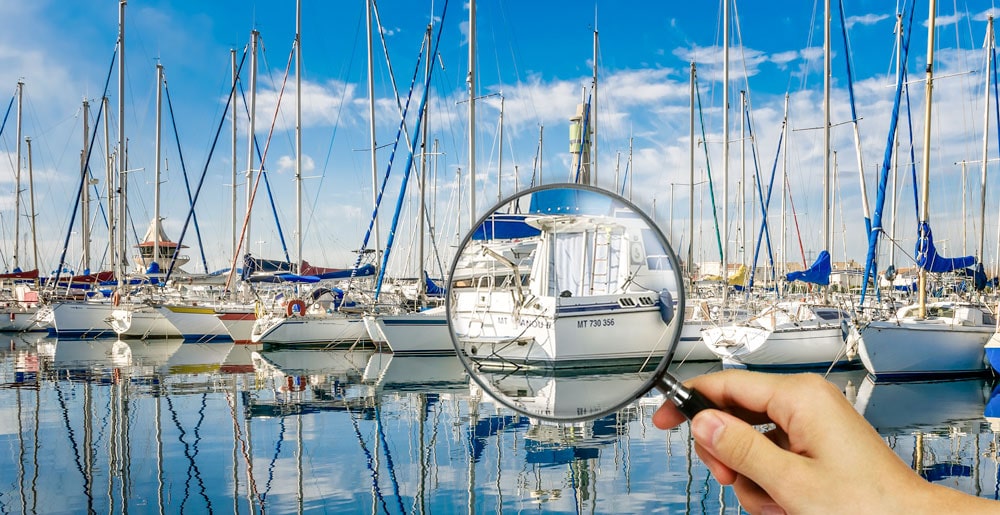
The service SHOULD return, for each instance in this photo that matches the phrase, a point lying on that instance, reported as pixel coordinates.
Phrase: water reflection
(938, 427)
(163, 426)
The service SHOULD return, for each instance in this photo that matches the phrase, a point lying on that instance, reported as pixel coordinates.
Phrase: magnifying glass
(565, 303)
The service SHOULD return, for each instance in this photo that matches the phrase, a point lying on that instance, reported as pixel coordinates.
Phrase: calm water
(165, 427)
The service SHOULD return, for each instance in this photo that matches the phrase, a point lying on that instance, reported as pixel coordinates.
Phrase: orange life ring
(290, 308)
(116, 298)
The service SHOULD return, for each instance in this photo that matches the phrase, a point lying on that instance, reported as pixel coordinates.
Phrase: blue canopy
(284, 278)
(505, 226)
(818, 273)
(928, 258)
(362, 271)
(433, 290)
(569, 201)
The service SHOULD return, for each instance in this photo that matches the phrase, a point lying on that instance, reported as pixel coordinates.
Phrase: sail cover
(928, 258)
(818, 273)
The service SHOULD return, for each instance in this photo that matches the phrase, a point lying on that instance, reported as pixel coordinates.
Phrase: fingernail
(772, 509)
(706, 426)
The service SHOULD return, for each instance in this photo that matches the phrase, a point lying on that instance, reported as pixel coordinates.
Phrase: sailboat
(596, 289)
(88, 319)
(794, 333)
(139, 316)
(940, 338)
(19, 309)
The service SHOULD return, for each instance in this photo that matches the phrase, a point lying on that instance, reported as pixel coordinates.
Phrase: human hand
(821, 456)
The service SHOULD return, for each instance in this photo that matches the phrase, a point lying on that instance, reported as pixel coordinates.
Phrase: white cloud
(865, 19)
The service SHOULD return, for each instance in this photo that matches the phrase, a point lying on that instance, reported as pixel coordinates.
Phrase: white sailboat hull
(412, 334)
(923, 347)
(310, 330)
(142, 322)
(239, 324)
(20, 319)
(802, 347)
(562, 331)
(82, 319)
(691, 346)
(195, 323)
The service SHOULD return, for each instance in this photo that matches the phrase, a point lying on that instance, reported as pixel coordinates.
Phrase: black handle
(687, 400)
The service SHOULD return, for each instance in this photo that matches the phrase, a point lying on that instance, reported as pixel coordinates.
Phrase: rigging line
(336, 126)
(409, 159)
(187, 451)
(392, 157)
(902, 93)
(388, 457)
(187, 184)
(197, 438)
(369, 460)
(274, 459)
(583, 140)
(263, 170)
(244, 448)
(795, 219)
(87, 485)
(765, 204)
(253, 193)
(204, 172)
(854, 116)
(80, 189)
(10, 105)
(708, 168)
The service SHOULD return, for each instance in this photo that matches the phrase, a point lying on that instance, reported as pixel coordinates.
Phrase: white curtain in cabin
(585, 263)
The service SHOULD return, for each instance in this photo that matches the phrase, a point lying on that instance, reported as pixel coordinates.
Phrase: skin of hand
(820, 457)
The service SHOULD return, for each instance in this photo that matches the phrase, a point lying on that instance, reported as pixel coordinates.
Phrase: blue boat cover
(928, 258)
(818, 273)
(433, 290)
(362, 271)
(504, 226)
(568, 200)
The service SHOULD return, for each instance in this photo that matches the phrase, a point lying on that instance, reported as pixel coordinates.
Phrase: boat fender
(290, 308)
(116, 298)
(666, 306)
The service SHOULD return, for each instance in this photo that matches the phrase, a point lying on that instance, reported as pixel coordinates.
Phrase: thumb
(739, 448)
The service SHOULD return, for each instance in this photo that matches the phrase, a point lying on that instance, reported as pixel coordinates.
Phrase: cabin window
(656, 255)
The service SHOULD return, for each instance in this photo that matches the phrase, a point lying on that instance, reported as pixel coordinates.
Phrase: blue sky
(539, 56)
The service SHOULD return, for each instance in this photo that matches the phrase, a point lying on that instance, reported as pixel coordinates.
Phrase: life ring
(290, 308)
(116, 298)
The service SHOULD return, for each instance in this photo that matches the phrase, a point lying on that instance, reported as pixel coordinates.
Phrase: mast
(156, 167)
(784, 188)
(593, 107)
(85, 193)
(109, 182)
(371, 129)
(986, 132)
(826, 127)
(31, 206)
(254, 36)
(471, 81)
(235, 237)
(17, 179)
(691, 150)
(298, 136)
(725, 149)
(895, 144)
(827, 67)
(120, 260)
(926, 158)
(743, 178)
(422, 208)
(500, 156)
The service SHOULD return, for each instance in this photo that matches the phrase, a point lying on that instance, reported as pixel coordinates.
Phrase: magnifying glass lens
(566, 303)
